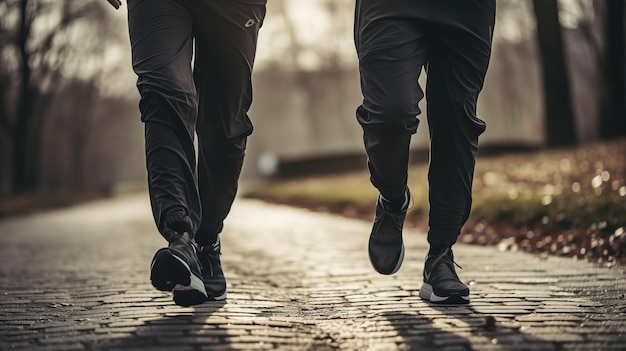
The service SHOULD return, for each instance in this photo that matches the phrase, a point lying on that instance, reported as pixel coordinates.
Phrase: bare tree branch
(586, 29)
(68, 18)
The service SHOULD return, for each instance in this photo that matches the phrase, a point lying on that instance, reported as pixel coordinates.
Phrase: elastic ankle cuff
(396, 204)
(436, 250)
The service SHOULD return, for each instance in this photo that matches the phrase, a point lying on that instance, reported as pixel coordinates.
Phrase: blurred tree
(604, 29)
(560, 124)
(42, 43)
(310, 36)
(613, 101)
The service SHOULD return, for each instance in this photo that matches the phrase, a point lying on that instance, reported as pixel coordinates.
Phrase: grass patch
(568, 202)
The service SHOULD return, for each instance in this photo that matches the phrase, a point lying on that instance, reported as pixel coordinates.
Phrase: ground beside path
(77, 279)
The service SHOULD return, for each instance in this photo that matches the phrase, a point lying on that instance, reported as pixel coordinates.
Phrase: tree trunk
(21, 178)
(21, 182)
(613, 110)
(560, 124)
(30, 108)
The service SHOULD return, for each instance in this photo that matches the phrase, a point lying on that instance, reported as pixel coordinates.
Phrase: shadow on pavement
(453, 327)
(188, 329)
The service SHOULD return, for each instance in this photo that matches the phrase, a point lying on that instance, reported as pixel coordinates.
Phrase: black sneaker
(176, 268)
(386, 248)
(212, 274)
(441, 284)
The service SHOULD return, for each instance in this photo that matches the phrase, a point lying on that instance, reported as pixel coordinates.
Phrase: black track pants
(177, 101)
(452, 39)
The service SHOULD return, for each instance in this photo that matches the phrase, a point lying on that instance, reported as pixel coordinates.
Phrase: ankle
(436, 250)
(396, 204)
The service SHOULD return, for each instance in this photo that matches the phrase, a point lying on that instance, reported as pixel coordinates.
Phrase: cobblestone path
(77, 279)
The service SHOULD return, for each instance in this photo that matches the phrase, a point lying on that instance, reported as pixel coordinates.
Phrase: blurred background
(69, 121)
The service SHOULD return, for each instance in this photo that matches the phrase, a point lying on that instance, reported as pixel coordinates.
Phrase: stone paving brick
(68, 284)
(60, 347)
(154, 348)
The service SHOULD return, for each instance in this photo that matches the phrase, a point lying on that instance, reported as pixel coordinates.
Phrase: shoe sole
(171, 273)
(214, 294)
(427, 293)
(395, 269)
(217, 298)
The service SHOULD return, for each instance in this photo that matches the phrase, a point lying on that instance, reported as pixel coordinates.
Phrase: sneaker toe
(386, 258)
(450, 287)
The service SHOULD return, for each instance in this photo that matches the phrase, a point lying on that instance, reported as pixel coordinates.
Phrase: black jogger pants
(177, 101)
(452, 40)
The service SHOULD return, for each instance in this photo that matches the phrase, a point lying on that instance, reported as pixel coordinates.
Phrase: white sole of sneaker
(427, 293)
(196, 283)
(400, 260)
(218, 298)
(171, 273)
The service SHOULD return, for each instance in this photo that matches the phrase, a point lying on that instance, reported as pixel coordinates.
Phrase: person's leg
(161, 42)
(391, 50)
(226, 37)
(456, 71)
(458, 60)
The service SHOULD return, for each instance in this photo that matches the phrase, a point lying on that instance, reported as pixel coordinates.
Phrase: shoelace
(445, 253)
(452, 258)
(411, 202)
(211, 256)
